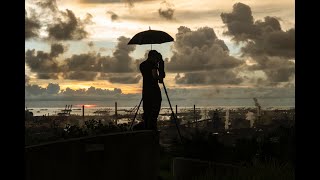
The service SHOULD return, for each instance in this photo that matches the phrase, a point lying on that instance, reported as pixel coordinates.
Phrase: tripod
(172, 113)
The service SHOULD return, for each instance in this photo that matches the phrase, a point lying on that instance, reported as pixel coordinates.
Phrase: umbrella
(150, 37)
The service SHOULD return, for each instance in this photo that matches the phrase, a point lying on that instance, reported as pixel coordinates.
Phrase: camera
(162, 74)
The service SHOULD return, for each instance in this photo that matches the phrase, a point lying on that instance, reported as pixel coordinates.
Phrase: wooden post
(176, 110)
(116, 112)
(82, 111)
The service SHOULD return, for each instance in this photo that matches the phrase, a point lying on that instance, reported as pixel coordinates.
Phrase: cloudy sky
(79, 47)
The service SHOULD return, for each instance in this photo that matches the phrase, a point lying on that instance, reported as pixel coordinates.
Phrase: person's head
(153, 56)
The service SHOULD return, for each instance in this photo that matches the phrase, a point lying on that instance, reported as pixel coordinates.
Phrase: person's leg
(156, 106)
(147, 109)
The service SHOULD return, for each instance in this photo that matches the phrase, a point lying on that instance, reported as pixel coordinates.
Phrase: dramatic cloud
(85, 66)
(263, 37)
(92, 91)
(277, 43)
(129, 2)
(60, 25)
(277, 69)
(98, 91)
(240, 22)
(81, 75)
(32, 25)
(200, 55)
(41, 62)
(265, 42)
(123, 62)
(215, 77)
(53, 88)
(57, 49)
(34, 90)
(122, 78)
(48, 4)
(113, 15)
(83, 62)
(47, 75)
(70, 28)
(45, 64)
(167, 13)
(120, 62)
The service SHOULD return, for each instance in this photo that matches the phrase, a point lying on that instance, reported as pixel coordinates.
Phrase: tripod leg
(174, 116)
(135, 114)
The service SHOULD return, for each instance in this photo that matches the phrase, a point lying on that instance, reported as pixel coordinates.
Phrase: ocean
(40, 108)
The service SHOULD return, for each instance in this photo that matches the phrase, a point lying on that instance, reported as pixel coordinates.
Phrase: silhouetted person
(152, 71)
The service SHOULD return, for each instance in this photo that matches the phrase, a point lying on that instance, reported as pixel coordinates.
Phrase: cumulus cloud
(240, 22)
(60, 25)
(45, 64)
(68, 27)
(84, 66)
(92, 91)
(127, 78)
(98, 91)
(113, 15)
(203, 58)
(57, 49)
(277, 43)
(34, 90)
(47, 75)
(80, 75)
(213, 77)
(32, 25)
(166, 13)
(129, 2)
(83, 62)
(53, 88)
(120, 62)
(277, 69)
(265, 42)
(48, 4)
(41, 62)
(263, 37)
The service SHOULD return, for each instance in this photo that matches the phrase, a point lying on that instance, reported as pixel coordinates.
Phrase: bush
(269, 170)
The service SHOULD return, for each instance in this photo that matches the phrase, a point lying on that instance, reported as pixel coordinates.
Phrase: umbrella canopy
(151, 37)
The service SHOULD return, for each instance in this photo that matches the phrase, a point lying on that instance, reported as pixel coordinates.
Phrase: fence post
(83, 112)
(116, 112)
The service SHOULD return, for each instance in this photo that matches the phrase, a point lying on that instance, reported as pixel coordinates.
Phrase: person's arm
(162, 74)
(155, 74)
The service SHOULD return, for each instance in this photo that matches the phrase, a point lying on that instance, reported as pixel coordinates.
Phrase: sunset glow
(81, 45)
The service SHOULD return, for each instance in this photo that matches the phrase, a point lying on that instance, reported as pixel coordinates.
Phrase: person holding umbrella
(153, 73)
(152, 70)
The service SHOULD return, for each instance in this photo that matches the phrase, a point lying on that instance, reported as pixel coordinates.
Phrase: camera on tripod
(162, 74)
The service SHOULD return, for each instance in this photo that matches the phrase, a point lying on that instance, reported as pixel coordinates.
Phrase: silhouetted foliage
(40, 134)
(271, 169)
